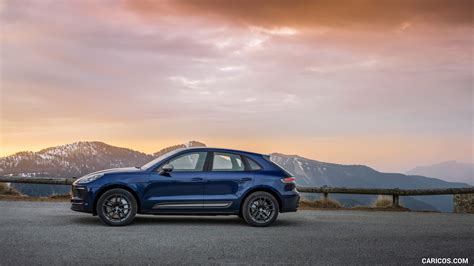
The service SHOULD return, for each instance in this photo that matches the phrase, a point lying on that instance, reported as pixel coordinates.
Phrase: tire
(260, 209)
(117, 207)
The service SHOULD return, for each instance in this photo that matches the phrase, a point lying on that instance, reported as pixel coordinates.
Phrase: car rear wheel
(260, 209)
(117, 207)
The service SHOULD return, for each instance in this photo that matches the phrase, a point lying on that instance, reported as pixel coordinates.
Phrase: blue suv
(197, 181)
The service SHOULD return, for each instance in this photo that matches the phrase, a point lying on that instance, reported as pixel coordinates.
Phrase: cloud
(198, 85)
(169, 69)
(231, 68)
(300, 13)
(250, 100)
(278, 31)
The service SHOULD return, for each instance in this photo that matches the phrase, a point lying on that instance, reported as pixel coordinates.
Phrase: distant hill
(77, 159)
(450, 171)
(71, 160)
(80, 158)
(174, 147)
(315, 173)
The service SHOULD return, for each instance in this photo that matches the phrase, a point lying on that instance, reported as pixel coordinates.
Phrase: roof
(221, 150)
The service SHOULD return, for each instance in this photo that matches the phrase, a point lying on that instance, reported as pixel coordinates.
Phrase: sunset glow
(383, 83)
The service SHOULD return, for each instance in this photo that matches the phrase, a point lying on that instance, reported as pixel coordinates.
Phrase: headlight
(88, 178)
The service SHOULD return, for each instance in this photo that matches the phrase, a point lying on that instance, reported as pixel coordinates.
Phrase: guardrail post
(395, 201)
(325, 196)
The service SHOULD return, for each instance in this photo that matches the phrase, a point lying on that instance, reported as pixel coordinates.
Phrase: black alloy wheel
(260, 209)
(117, 207)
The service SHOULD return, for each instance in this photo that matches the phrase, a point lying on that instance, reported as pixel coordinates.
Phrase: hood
(116, 170)
(96, 175)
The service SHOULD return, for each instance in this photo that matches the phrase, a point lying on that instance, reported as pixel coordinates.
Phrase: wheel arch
(112, 186)
(270, 190)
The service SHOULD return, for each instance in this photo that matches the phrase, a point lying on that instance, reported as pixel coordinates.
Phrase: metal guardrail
(394, 192)
(387, 191)
(37, 180)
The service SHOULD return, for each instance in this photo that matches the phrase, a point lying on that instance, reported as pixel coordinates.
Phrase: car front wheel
(260, 209)
(117, 207)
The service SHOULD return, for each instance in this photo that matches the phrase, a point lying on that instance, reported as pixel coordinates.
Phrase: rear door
(227, 179)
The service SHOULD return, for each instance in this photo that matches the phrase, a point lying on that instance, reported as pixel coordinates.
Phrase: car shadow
(181, 220)
(188, 220)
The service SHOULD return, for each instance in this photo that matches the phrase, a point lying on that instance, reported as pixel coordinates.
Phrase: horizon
(388, 85)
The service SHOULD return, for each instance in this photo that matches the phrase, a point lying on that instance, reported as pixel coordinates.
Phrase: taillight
(288, 180)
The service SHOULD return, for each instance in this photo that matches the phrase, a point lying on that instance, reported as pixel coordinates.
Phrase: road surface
(49, 233)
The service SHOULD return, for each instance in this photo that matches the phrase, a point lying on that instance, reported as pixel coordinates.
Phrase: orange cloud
(300, 13)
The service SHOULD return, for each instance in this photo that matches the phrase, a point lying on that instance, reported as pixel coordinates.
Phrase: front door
(182, 188)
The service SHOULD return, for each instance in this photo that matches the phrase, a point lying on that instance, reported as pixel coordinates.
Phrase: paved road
(49, 233)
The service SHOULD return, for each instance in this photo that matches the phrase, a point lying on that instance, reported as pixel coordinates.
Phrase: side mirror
(166, 169)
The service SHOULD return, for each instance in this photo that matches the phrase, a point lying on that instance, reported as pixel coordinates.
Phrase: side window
(254, 166)
(189, 162)
(227, 162)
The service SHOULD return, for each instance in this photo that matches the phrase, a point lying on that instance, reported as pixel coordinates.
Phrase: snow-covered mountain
(192, 143)
(451, 171)
(71, 160)
(314, 173)
(77, 159)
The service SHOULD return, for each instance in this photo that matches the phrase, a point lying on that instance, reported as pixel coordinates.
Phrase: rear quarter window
(268, 158)
(254, 166)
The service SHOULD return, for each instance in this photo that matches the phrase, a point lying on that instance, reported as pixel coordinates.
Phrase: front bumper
(81, 199)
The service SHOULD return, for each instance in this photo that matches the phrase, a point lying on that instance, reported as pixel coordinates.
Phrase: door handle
(245, 179)
(197, 179)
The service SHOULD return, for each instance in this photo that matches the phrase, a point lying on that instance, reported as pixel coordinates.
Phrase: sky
(387, 84)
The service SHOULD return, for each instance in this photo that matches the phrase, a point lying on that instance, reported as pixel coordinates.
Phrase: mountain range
(314, 173)
(80, 158)
(77, 159)
(450, 171)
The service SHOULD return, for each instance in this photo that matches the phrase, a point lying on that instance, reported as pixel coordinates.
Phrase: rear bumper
(290, 203)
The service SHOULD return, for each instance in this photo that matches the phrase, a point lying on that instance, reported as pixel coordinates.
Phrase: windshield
(161, 158)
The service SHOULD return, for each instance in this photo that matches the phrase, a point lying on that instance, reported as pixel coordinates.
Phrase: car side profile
(191, 181)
